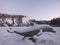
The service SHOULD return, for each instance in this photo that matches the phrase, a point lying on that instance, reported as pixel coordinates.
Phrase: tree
(55, 22)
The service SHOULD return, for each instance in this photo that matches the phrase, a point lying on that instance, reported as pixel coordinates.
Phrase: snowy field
(47, 38)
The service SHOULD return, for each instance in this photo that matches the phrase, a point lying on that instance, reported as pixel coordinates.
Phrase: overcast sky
(35, 9)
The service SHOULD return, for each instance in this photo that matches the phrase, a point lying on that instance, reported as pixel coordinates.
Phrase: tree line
(55, 22)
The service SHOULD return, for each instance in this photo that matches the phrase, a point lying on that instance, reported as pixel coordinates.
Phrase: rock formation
(13, 20)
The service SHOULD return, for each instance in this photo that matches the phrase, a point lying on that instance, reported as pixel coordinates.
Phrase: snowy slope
(46, 38)
(30, 28)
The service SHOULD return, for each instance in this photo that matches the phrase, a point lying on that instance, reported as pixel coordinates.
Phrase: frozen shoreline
(15, 39)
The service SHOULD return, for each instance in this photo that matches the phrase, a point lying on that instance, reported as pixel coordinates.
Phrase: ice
(46, 38)
(30, 28)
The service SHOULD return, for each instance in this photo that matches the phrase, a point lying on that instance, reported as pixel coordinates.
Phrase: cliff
(2, 15)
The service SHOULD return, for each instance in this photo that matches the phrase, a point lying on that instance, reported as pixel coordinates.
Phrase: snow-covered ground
(47, 38)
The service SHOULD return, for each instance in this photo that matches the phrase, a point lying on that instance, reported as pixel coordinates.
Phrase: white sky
(35, 9)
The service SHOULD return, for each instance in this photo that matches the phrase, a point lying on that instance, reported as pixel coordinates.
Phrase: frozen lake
(47, 38)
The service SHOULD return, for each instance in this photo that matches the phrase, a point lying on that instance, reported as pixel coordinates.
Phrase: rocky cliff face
(12, 16)
(13, 20)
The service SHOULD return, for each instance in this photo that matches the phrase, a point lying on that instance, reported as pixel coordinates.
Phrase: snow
(25, 20)
(47, 38)
(30, 28)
